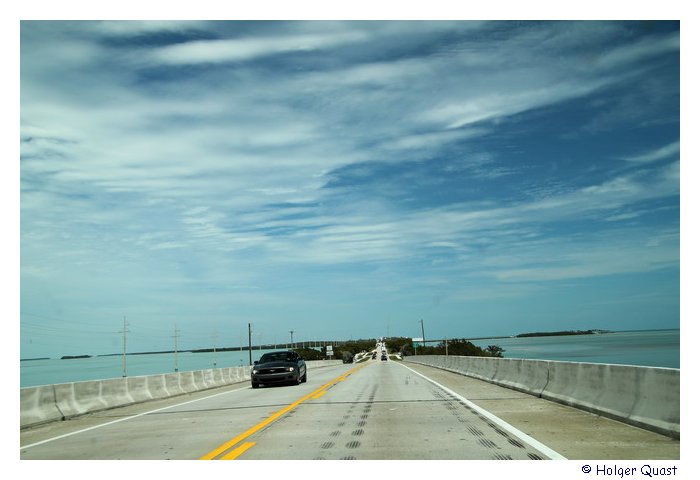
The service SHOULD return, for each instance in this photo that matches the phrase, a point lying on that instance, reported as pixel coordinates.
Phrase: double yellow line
(238, 451)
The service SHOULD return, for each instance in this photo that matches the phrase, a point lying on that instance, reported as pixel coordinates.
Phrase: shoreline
(245, 348)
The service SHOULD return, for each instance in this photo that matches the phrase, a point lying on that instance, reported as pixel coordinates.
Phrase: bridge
(422, 407)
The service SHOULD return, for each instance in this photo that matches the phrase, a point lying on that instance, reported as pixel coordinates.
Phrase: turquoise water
(652, 348)
(42, 372)
(655, 348)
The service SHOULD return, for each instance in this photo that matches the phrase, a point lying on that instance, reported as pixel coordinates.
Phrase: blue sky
(345, 180)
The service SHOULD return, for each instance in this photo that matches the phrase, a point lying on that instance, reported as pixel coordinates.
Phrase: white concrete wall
(48, 403)
(647, 397)
(38, 405)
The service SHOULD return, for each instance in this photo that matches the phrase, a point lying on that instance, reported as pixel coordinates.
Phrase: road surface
(375, 410)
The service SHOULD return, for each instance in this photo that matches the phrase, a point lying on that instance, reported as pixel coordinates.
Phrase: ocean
(655, 348)
(651, 348)
(54, 370)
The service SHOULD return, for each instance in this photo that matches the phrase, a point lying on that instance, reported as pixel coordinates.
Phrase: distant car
(278, 367)
(384, 356)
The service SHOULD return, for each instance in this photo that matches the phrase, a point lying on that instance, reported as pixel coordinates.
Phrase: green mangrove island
(561, 333)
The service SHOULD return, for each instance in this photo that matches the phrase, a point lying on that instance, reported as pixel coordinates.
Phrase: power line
(60, 328)
(62, 320)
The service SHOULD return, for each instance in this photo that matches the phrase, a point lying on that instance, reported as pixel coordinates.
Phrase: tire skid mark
(338, 434)
(351, 414)
(452, 405)
(285, 413)
(487, 443)
(500, 456)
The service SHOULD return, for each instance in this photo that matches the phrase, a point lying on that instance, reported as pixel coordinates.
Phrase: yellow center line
(238, 451)
(222, 448)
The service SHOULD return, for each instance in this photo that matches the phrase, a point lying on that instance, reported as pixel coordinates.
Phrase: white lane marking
(125, 419)
(501, 423)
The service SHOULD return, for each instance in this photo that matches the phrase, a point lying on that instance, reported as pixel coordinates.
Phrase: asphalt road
(374, 410)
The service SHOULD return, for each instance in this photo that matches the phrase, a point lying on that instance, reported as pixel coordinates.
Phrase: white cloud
(639, 51)
(214, 179)
(488, 104)
(667, 151)
(234, 50)
(613, 256)
(170, 245)
(133, 27)
(431, 140)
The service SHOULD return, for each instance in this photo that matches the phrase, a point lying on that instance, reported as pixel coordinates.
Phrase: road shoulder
(574, 433)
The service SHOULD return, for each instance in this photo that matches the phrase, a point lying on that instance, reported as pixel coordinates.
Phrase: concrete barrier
(47, 403)
(311, 364)
(198, 380)
(529, 376)
(38, 405)
(172, 384)
(138, 389)
(647, 397)
(77, 398)
(187, 382)
(115, 391)
(643, 396)
(155, 384)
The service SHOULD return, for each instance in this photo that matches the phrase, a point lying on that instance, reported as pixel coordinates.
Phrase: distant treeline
(141, 353)
(401, 345)
(564, 332)
(296, 346)
(200, 350)
(406, 347)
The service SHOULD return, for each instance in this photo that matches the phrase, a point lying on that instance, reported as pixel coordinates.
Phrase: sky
(344, 180)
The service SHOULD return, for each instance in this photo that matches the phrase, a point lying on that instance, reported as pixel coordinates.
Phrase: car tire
(255, 385)
(303, 379)
(298, 380)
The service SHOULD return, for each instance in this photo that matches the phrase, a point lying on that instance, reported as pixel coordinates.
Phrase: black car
(384, 356)
(278, 367)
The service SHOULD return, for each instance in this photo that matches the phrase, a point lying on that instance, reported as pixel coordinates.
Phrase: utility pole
(214, 338)
(250, 348)
(123, 332)
(422, 331)
(177, 334)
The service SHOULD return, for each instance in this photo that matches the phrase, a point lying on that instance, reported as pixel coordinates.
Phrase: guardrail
(647, 397)
(48, 403)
